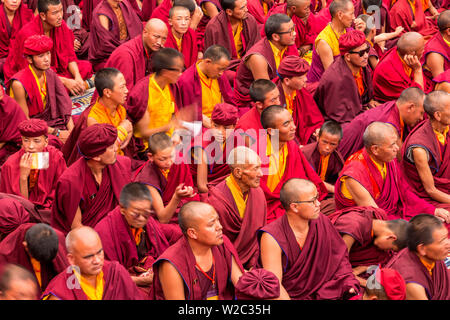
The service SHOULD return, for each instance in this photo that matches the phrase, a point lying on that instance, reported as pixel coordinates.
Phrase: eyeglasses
(362, 52)
(292, 30)
(316, 198)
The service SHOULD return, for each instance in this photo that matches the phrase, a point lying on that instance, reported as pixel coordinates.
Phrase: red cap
(225, 114)
(37, 44)
(33, 128)
(351, 40)
(292, 66)
(392, 282)
(95, 139)
(257, 284)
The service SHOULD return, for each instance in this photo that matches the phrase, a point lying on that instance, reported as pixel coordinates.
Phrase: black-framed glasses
(316, 198)
(292, 30)
(361, 52)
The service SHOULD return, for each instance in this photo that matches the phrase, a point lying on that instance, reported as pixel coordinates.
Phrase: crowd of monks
(232, 149)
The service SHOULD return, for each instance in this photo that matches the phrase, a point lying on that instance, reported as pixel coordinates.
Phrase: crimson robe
(438, 45)
(384, 16)
(162, 11)
(255, 8)
(77, 188)
(35, 215)
(250, 123)
(12, 215)
(102, 42)
(189, 47)
(148, 6)
(408, 264)
(181, 257)
(87, 10)
(117, 285)
(13, 251)
(305, 276)
(337, 94)
(401, 14)
(241, 231)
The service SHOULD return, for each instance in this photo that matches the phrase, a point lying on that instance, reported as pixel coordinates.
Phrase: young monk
(17, 283)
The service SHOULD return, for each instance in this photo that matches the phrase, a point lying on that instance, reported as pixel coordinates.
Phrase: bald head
(81, 236)
(411, 43)
(17, 283)
(338, 5)
(155, 24)
(376, 133)
(411, 95)
(192, 213)
(443, 21)
(241, 157)
(295, 190)
(295, 3)
(436, 101)
(154, 34)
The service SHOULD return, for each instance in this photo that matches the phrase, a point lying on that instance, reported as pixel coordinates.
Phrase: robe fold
(12, 215)
(204, 21)
(87, 10)
(255, 8)
(162, 11)
(250, 124)
(437, 45)
(401, 14)
(189, 47)
(35, 215)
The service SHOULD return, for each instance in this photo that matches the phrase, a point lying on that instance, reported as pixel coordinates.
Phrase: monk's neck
(161, 81)
(110, 106)
(375, 160)
(176, 34)
(244, 187)
(354, 69)
(437, 126)
(337, 26)
(277, 45)
(113, 4)
(202, 66)
(287, 90)
(201, 252)
(47, 28)
(234, 22)
(38, 72)
(378, 227)
(297, 224)
(96, 169)
(9, 14)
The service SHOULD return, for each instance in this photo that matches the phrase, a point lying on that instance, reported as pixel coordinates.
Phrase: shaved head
(376, 133)
(155, 24)
(294, 189)
(443, 21)
(410, 43)
(82, 235)
(192, 213)
(436, 101)
(154, 35)
(296, 3)
(242, 156)
(411, 95)
(17, 283)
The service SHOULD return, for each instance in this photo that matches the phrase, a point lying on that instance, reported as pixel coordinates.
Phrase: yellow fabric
(277, 54)
(137, 234)
(406, 68)
(238, 196)
(165, 172)
(425, 5)
(290, 101)
(441, 136)
(238, 39)
(92, 293)
(427, 265)
(308, 57)
(447, 42)
(265, 8)
(359, 82)
(277, 165)
(179, 42)
(211, 94)
(43, 90)
(37, 269)
(413, 6)
(323, 166)
(330, 37)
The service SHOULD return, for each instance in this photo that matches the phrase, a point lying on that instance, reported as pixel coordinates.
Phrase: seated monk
(162, 11)
(181, 37)
(284, 160)
(291, 247)
(300, 103)
(422, 263)
(131, 236)
(260, 9)
(26, 173)
(411, 16)
(203, 85)
(403, 114)
(345, 89)
(12, 215)
(263, 59)
(17, 283)
(372, 177)
(426, 152)
(90, 187)
(323, 155)
(400, 68)
(387, 284)
(71, 71)
(38, 248)
(92, 278)
(203, 256)
(40, 92)
(370, 238)
(210, 9)
(241, 204)
(113, 23)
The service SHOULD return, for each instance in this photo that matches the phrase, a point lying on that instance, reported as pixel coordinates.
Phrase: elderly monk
(90, 187)
(403, 114)
(37, 247)
(411, 16)
(131, 236)
(89, 275)
(345, 89)
(426, 152)
(400, 68)
(240, 203)
(263, 59)
(40, 92)
(203, 256)
(323, 155)
(293, 94)
(372, 177)
(203, 85)
(422, 263)
(113, 23)
(17, 283)
(12, 215)
(71, 71)
(27, 173)
(284, 159)
(291, 247)
(385, 284)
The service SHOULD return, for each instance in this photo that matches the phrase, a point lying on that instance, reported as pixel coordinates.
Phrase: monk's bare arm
(210, 8)
(435, 62)
(257, 64)
(164, 214)
(359, 194)
(145, 131)
(415, 291)
(76, 223)
(104, 21)
(202, 171)
(330, 187)
(325, 53)
(421, 163)
(70, 124)
(349, 241)
(236, 272)
(20, 96)
(271, 260)
(171, 282)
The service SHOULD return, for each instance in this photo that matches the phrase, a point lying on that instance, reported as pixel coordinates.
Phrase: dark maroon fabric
(12, 215)
(35, 215)
(162, 11)
(255, 8)
(181, 257)
(204, 21)
(384, 15)
(257, 284)
(117, 285)
(437, 45)
(305, 277)
(148, 6)
(189, 47)
(401, 14)
(87, 10)
(241, 231)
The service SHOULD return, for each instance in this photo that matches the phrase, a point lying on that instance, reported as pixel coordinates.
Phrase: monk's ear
(150, 156)
(70, 259)
(229, 12)
(29, 59)
(191, 233)
(42, 15)
(421, 250)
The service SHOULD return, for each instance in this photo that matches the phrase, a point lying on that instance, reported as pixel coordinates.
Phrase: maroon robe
(408, 264)
(204, 21)
(148, 6)
(337, 94)
(241, 231)
(250, 123)
(189, 47)
(401, 14)
(87, 10)
(102, 42)
(12, 215)
(305, 275)
(13, 251)
(35, 215)
(384, 15)
(437, 45)
(78, 188)
(162, 11)
(117, 285)
(181, 257)
(255, 8)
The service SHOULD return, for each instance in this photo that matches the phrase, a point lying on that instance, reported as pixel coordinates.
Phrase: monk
(323, 155)
(204, 255)
(37, 247)
(422, 263)
(291, 83)
(240, 203)
(284, 162)
(345, 89)
(263, 59)
(411, 16)
(372, 177)
(210, 9)
(113, 23)
(426, 152)
(162, 11)
(181, 37)
(131, 236)
(71, 71)
(400, 68)
(260, 9)
(385, 284)
(89, 275)
(40, 92)
(403, 114)
(12, 215)
(17, 283)
(291, 247)
(90, 188)
(27, 174)
(203, 85)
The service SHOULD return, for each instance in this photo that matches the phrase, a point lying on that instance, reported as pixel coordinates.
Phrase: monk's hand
(75, 87)
(25, 165)
(442, 214)
(64, 135)
(413, 25)
(146, 278)
(183, 191)
(360, 24)
(206, 121)
(412, 61)
(127, 125)
(196, 17)
(398, 30)
(76, 44)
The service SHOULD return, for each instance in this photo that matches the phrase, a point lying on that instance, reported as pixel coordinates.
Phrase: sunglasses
(362, 52)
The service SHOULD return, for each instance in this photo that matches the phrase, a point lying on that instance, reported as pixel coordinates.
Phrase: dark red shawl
(87, 10)
(255, 8)
(12, 215)
(204, 21)
(401, 14)
(162, 11)
(189, 47)
(437, 45)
